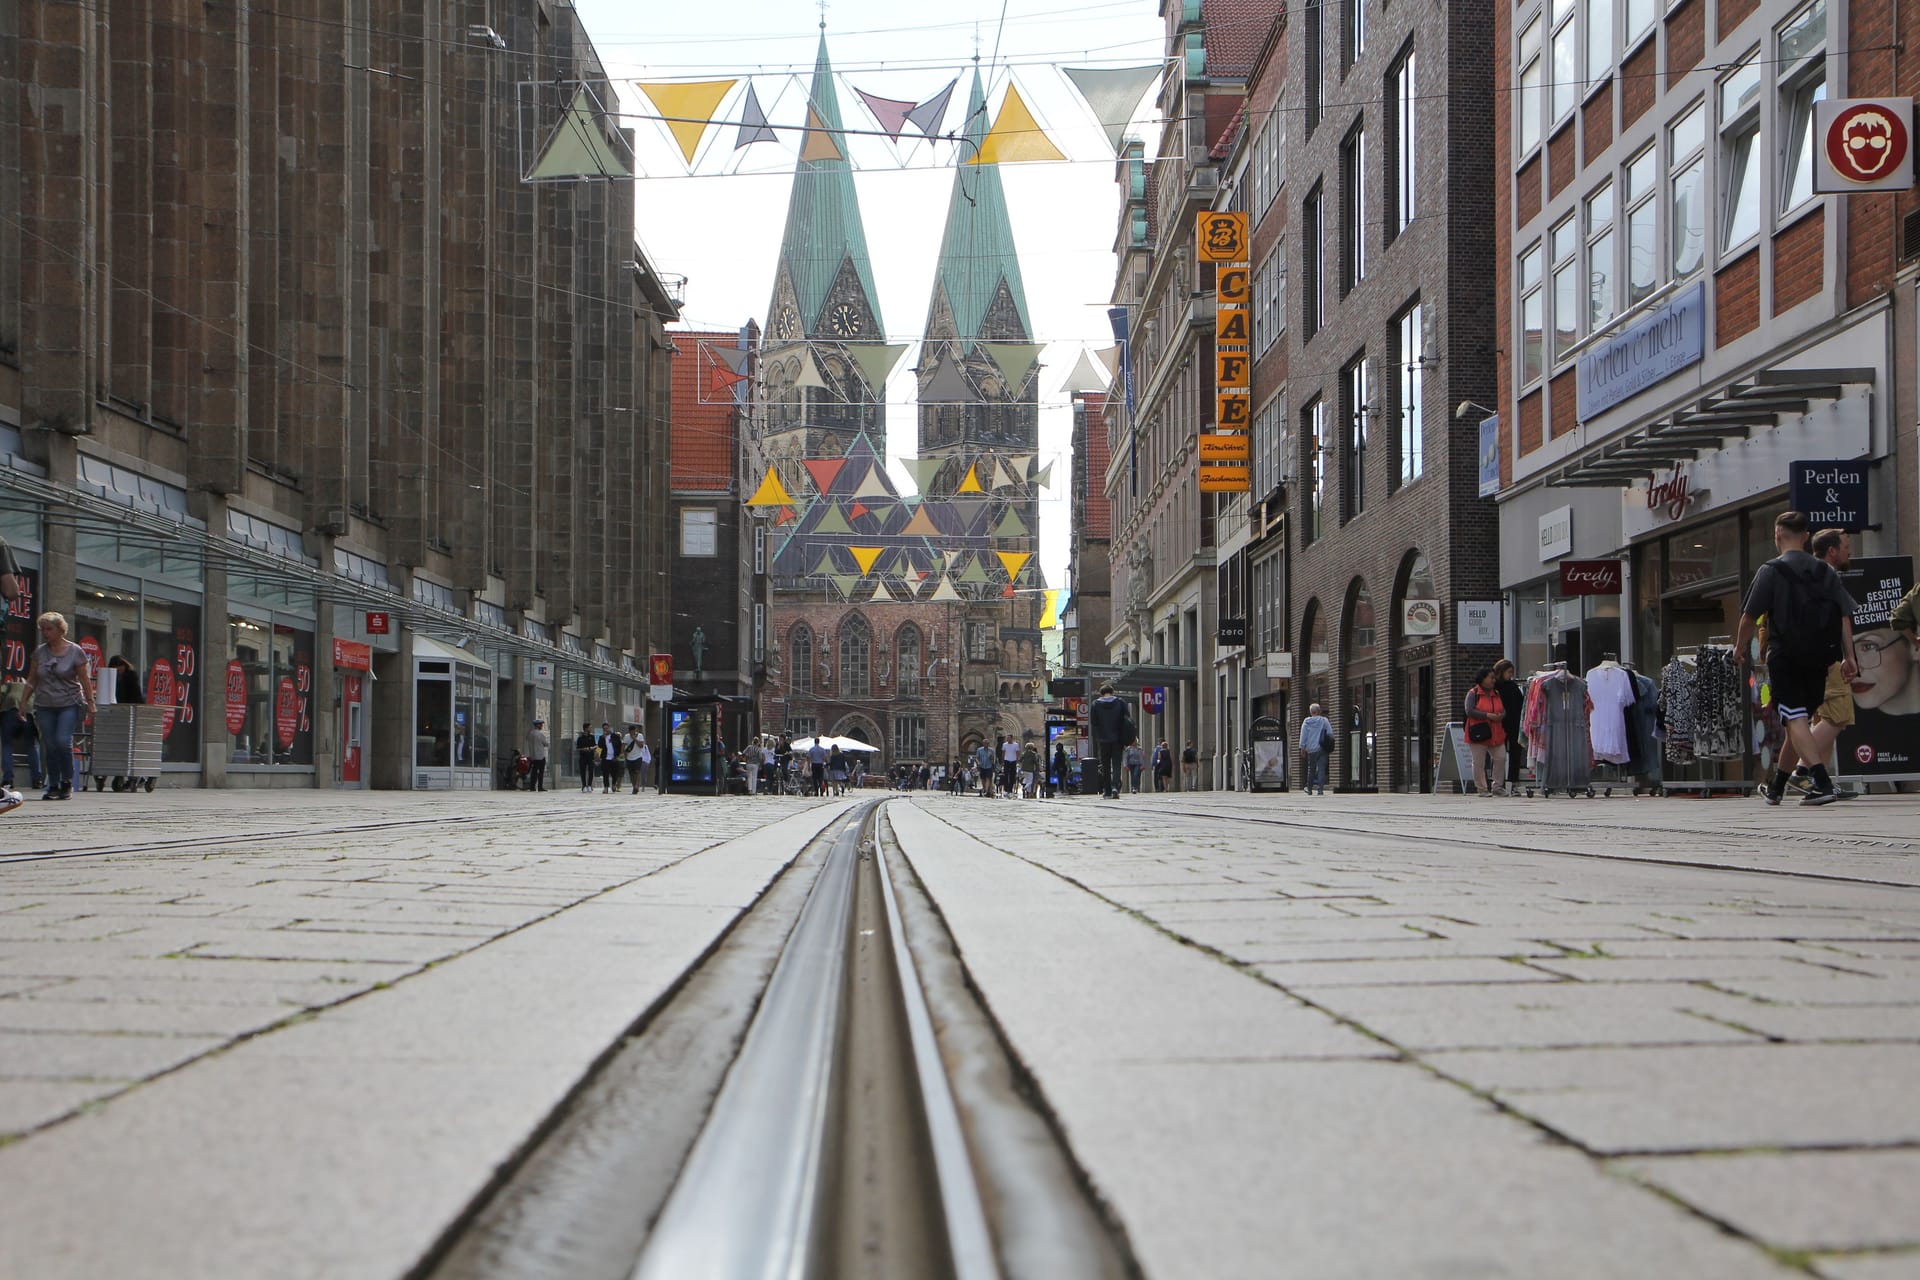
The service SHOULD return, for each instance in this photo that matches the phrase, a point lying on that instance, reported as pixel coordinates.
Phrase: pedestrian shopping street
(1350, 1036)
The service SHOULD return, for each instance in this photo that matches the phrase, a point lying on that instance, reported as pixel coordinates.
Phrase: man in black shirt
(1809, 624)
(1111, 727)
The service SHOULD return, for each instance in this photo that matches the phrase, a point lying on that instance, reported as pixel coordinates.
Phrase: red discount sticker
(160, 693)
(236, 696)
(286, 712)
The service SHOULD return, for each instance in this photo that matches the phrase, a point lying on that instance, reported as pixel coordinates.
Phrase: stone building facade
(303, 388)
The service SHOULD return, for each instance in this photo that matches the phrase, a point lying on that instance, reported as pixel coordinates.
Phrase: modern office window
(1313, 63)
(1356, 391)
(1313, 263)
(1354, 33)
(1637, 19)
(1564, 253)
(1640, 185)
(1532, 316)
(800, 660)
(1353, 209)
(1740, 154)
(1313, 464)
(759, 631)
(1409, 401)
(1403, 140)
(1600, 257)
(1802, 78)
(1599, 39)
(1257, 169)
(1269, 300)
(856, 658)
(906, 656)
(1531, 76)
(1270, 443)
(1686, 192)
(1564, 89)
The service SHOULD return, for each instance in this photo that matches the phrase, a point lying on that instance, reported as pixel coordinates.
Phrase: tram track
(790, 1112)
(1485, 838)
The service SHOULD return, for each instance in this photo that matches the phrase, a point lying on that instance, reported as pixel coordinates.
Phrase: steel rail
(749, 1202)
(968, 1239)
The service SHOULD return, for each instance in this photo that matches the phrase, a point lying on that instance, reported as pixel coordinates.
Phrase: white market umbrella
(845, 744)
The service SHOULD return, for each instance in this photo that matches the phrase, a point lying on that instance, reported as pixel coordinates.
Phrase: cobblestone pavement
(1440, 1036)
(1341, 1037)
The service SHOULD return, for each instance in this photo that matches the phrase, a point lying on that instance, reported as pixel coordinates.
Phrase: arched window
(906, 647)
(856, 658)
(1318, 659)
(1421, 623)
(800, 659)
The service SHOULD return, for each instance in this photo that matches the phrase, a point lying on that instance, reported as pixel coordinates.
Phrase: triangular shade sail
(971, 483)
(1083, 376)
(1003, 475)
(921, 526)
(1052, 615)
(809, 372)
(874, 486)
(753, 122)
(578, 147)
(1113, 93)
(927, 116)
(974, 572)
(880, 593)
(1015, 360)
(923, 471)
(1011, 526)
(947, 385)
(823, 470)
(865, 557)
(890, 112)
(1016, 137)
(844, 583)
(819, 143)
(833, 522)
(876, 361)
(771, 492)
(826, 566)
(944, 591)
(1014, 561)
(1044, 477)
(687, 108)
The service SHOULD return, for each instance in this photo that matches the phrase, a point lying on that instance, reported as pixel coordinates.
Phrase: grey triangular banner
(947, 386)
(578, 148)
(1113, 93)
(927, 116)
(753, 122)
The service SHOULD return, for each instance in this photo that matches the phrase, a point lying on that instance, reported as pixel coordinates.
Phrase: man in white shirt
(1009, 766)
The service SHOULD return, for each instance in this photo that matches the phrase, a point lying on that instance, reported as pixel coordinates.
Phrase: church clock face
(785, 325)
(845, 319)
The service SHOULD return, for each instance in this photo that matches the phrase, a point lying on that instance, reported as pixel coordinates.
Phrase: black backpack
(1805, 626)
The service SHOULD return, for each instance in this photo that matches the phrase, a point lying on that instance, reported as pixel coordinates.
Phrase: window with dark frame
(1355, 394)
(1353, 209)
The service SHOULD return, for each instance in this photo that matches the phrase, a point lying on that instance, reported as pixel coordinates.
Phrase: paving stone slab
(1542, 1016)
(1309, 974)
(1719, 1097)
(1813, 1201)
(45, 1055)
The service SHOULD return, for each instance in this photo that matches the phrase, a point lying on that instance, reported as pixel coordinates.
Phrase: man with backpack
(1110, 724)
(1809, 628)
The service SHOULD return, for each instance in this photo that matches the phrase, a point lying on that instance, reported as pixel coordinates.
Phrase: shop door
(1419, 732)
(353, 727)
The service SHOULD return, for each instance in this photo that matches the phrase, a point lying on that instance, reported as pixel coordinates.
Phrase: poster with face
(1885, 737)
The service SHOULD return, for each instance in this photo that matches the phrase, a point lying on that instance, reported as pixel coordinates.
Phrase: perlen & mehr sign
(1667, 341)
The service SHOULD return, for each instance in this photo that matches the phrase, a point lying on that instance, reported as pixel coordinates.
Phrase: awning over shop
(1732, 412)
(1148, 675)
(432, 650)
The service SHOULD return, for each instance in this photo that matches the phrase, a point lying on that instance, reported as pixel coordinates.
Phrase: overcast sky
(723, 231)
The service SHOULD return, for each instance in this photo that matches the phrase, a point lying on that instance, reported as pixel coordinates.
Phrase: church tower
(816, 399)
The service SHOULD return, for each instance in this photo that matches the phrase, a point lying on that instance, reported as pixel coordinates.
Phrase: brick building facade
(1387, 179)
(1665, 189)
(286, 341)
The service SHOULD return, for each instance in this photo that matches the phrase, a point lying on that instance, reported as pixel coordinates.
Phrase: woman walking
(61, 692)
(1136, 761)
(1486, 733)
(837, 770)
(1513, 698)
(1163, 767)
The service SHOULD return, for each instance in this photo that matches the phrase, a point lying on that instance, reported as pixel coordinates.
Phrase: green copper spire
(823, 213)
(977, 252)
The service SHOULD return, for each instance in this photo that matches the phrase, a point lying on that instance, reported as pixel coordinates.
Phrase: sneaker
(1817, 798)
(10, 799)
(1801, 781)
(1845, 793)
(1768, 794)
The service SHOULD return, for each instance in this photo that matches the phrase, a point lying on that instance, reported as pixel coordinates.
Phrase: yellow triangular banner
(1016, 136)
(688, 109)
(771, 492)
(1052, 616)
(865, 556)
(819, 143)
(1015, 561)
(971, 484)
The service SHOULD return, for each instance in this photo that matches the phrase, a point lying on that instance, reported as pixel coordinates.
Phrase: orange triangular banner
(823, 470)
(819, 143)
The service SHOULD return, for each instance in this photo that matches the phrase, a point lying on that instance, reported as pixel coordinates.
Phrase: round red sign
(160, 693)
(1866, 142)
(286, 712)
(1864, 753)
(236, 696)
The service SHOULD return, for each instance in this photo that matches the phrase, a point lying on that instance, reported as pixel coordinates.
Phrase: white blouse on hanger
(1611, 689)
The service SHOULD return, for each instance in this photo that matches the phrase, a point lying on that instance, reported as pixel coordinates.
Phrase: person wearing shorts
(1799, 682)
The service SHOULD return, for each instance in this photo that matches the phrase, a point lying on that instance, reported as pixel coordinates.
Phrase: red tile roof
(1235, 30)
(1096, 516)
(703, 417)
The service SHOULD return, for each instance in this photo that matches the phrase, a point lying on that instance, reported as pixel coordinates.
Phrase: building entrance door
(1360, 743)
(1419, 732)
(353, 725)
